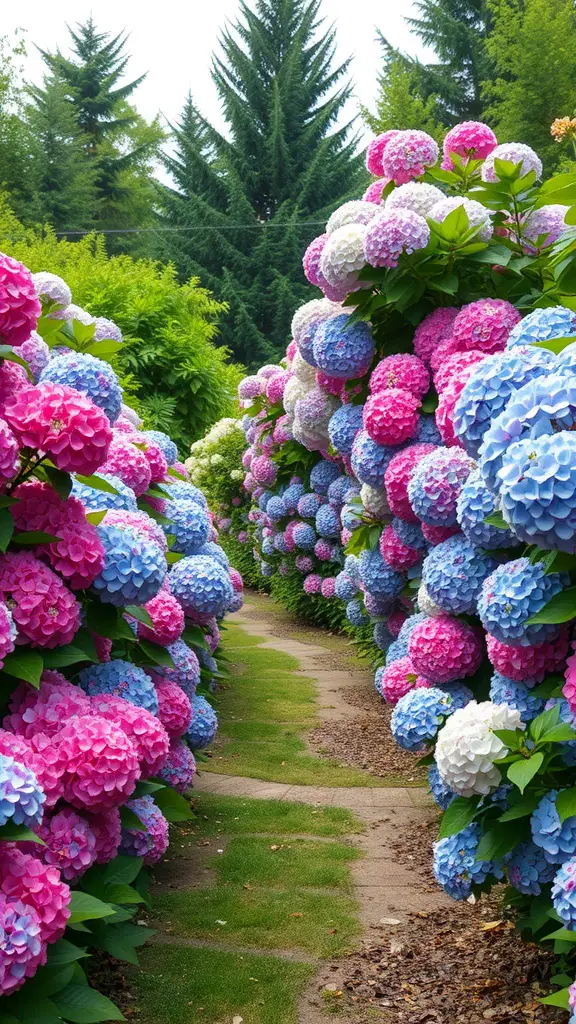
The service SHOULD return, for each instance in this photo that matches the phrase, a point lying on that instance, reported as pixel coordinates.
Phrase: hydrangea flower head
(179, 767)
(201, 585)
(394, 232)
(101, 763)
(322, 475)
(435, 485)
(374, 501)
(19, 303)
(151, 841)
(397, 475)
(356, 613)
(515, 153)
(373, 193)
(557, 839)
(398, 679)
(204, 724)
(475, 503)
(543, 324)
(22, 950)
(377, 577)
(43, 710)
(120, 678)
(356, 211)
(516, 695)
(528, 664)
(445, 649)
(370, 460)
(36, 353)
(21, 797)
(470, 140)
(564, 893)
(186, 671)
(342, 258)
(527, 869)
(455, 865)
(400, 371)
(391, 417)
(52, 289)
(478, 216)
(485, 324)
(70, 842)
(167, 619)
(342, 350)
(511, 595)
(264, 470)
(395, 552)
(441, 794)
(134, 567)
(95, 500)
(43, 609)
(91, 376)
(129, 464)
(543, 227)
(453, 573)
(416, 196)
(311, 259)
(538, 490)
(189, 524)
(435, 328)
(419, 714)
(407, 155)
(164, 442)
(467, 747)
(60, 421)
(376, 149)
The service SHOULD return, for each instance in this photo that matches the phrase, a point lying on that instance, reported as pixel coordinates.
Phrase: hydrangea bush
(430, 499)
(100, 648)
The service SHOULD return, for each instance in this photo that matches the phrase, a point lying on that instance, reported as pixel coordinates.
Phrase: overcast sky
(173, 42)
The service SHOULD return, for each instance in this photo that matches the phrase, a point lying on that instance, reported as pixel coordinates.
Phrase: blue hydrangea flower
(418, 716)
(267, 546)
(263, 500)
(201, 585)
(92, 376)
(342, 349)
(351, 517)
(511, 595)
(266, 569)
(95, 500)
(184, 489)
(134, 567)
(343, 426)
(459, 693)
(397, 649)
(189, 525)
(545, 405)
(21, 797)
(441, 793)
(556, 838)
(370, 460)
(276, 508)
(455, 866)
(121, 679)
(410, 534)
(304, 536)
(565, 361)
(204, 724)
(308, 505)
(280, 544)
(516, 695)
(475, 503)
(338, 490)
(292, 496)
(215, 551)
(564, 893)
(543, 324)
(345, 587)
(356, 613)
(327, 522)
(186, 670)
(427, 432)
(435, 484)
(538, 490)
(322, 475)
(527, 869)
(453, 573)
(378, 578)
(408, 627)
(306, 342)
(165, 444)
(382, 636)
(352, 567)
(378, 680)
(147, 841)
(489, 389)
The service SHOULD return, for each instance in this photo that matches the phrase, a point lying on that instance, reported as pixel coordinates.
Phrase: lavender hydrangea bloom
(453, 573)
(338, 490)
(475, 503)
(308, 505)
(543, 324)
(322, 475)
(557, 839)
(21, 797)
(377, 577)
(370, 460)
(186, 669)
(512, 594)
(512, 152)
(343, 426)
(393, 232)
(455, 866)
(538, 490)
(435, 484)
(204, 724)
(516, 695)
(342, 350)
(478, 216)
(527, 869)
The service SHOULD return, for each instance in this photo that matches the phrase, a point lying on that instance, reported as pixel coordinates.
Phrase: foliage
(245, 204)
(400, 102)
(213, 463)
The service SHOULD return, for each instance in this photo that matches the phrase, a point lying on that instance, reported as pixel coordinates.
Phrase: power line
(199, 227)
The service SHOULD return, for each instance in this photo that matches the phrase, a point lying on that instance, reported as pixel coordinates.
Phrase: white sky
(173, 41)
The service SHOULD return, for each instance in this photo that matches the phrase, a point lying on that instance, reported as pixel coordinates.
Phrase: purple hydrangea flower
(435, 484)
(201, 585)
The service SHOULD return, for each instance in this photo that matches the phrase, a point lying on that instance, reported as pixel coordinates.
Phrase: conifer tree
(245, 204)
(400, 102)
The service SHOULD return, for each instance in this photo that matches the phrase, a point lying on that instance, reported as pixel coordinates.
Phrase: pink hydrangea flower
(395, 622)
(470, 140)
(485, 325)
(143, 729)
(70, 842)
(24, 877)
(392, 233)
(375, 152)
(128, 463)
(167, 619)
(434, 328)
(515, 153)
(45, 709)
(174, 708)
(436, 534)
(19, 304)
(7, 633)
(41, 508)
(275, 386)
(323, 550)
(9, 454)
(12, 378)
(312, 584)
(101, 763)
(107, 829)
(373, 193)
(139, 522)
(397, 477)
(543, 227)
(22, 951)
(58, 420)
(264, 470)
(408, 154)
(445, 649)
(444, 414)
(251, 387)
(453, 365)
(391, 416)
(328, 587)
(157, 463)
(311, 259)
(528, 664)
(236, 580)
(396, 554)
(44, 610)
(401, 371)
(399, 678)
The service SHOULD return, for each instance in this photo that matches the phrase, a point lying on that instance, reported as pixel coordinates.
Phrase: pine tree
(399, 103)
(532, 50)
(244, 205)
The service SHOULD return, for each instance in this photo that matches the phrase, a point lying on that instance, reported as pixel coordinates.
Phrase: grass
(177, 984)
(264, 713)
(294, 897)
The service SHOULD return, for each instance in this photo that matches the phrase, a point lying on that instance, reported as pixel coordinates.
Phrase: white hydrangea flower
(357, 211)
(130, 414)
(514, 152)
(294, 390)
(343, 255)
(466, 747)
(216, 459)
(426, 604)
(310, 313)
(50, 286)
(478, 215)
(302, 370)
(416, 196)
(314, 440)
(236, 474)
(374, 501)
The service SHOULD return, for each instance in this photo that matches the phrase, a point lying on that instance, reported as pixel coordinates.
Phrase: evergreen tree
(245, 204)
(532, 49)
(19, 150)
(400, 103)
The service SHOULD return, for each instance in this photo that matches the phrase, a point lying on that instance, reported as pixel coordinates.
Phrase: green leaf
(561, 733)
(430, 402)
(96, 517)
(194, 637)
(123, 869)
(97, 482)
(544, 723)
(522, 808)
(34, 537)
(139, 613)
(81, 1004)
(24, 664)
(105, 347)
(6, 528)
(495, 255)
(497, 520)
(173, 556)
(87, 908)
(58, 479)
(566, 804)
(560, 608)
(498, 841)
(559, 998)
(119, 892)
(522, 772)
(71, 654)
(555, 345)
(64, 952)
(157, 654)
(107, 621)
(174, 807)
(447, 282)
(457, 816)
(130, 819)
(12, 833)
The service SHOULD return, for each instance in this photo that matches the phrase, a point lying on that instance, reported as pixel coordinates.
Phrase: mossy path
(289, 858)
